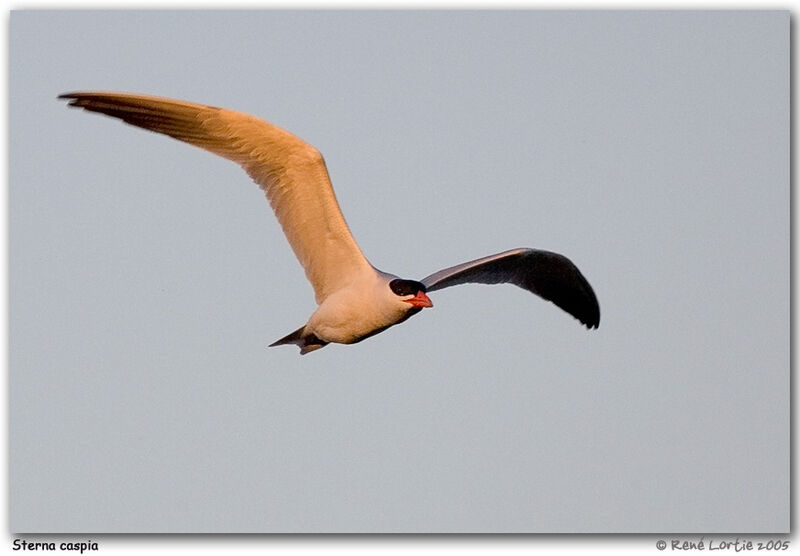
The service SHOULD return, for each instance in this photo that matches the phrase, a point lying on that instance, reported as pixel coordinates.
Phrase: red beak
(420, 300)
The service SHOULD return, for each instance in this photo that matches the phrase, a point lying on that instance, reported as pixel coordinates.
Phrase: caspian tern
(355, 300)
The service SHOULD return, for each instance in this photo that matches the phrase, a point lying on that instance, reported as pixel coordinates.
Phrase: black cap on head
(406, 287)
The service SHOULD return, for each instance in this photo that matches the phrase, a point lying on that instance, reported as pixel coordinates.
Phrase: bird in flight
(355, 300)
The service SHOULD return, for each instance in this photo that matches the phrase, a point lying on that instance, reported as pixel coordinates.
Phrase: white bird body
(355, 311)
(355, 300)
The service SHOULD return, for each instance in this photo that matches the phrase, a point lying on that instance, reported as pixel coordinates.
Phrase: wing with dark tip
(549, 275)
(291, 172)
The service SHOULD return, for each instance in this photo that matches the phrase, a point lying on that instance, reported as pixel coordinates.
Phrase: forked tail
(306, 342)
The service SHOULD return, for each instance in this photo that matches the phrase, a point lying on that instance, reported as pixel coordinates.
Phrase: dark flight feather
(549, 275)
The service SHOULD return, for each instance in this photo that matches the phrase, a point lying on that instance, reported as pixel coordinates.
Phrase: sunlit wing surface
(291, 172)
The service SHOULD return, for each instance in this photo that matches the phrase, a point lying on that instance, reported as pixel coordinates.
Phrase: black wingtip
(594, 325)
(593, 322)
(589, 315)
(73, 99)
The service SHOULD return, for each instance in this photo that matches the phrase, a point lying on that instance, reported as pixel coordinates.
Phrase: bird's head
(411, 292)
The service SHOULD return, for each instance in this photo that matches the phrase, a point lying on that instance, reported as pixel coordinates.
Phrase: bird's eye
(398, 287)
(406, 287)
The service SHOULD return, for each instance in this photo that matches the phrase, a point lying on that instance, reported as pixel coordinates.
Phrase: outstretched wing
(548, 275)
(291, 172)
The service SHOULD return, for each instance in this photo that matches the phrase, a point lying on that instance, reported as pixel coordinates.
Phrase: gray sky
(147, 277)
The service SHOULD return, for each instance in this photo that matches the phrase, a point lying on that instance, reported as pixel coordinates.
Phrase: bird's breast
(352, 315)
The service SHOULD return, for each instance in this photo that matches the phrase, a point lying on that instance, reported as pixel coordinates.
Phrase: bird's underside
(355, 301)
